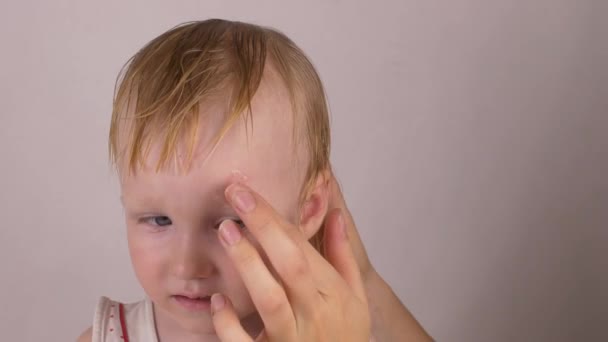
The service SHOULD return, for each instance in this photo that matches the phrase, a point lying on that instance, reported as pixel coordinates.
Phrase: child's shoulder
(86, 336)
(116, 321)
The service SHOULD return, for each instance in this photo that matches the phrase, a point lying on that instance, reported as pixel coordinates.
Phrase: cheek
(233, 284)
(147, 259)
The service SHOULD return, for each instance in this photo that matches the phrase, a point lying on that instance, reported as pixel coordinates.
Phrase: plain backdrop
(470, 138)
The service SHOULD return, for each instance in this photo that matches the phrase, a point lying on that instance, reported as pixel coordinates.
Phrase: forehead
(261, 148)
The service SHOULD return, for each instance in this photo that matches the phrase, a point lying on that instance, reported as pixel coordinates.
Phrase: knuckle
(247, 257)
(265, 224)
(296, 265)
(274, 303)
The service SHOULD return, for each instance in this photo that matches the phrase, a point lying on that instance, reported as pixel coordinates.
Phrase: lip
(193, 303)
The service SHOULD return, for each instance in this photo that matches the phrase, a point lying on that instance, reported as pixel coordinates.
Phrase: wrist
(391, 320)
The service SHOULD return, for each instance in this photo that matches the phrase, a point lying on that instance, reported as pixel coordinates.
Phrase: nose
(191, 258)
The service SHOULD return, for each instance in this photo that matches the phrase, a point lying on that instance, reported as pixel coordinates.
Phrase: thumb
(225, 320)
(336, 201)
(339, 252)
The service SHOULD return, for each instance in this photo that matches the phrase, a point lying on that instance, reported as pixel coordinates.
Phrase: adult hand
(337, 205)
(391, 320)
(313, 299)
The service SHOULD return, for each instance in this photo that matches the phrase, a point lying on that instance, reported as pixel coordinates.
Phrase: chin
(198, 325)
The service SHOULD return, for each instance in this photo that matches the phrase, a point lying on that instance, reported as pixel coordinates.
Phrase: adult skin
(391, 321)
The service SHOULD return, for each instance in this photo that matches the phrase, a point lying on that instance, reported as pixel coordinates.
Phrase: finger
(281, 242)
(336, 200)
(304, 272)
(266, 293)
(225, 320)
(325, 276)
(340, 254)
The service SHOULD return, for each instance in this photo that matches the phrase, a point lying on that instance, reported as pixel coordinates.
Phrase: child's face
(172, 218)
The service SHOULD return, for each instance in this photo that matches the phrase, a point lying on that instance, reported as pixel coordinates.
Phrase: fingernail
(217, 302)
(229, 232)
(243, 200)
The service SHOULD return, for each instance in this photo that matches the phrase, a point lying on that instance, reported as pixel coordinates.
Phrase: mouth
(192, 303)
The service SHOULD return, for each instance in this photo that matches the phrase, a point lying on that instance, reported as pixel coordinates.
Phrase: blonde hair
(159, 91)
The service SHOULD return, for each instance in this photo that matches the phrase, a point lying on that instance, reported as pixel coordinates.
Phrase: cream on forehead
(236, 176)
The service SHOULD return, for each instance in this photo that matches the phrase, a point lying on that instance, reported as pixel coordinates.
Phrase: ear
(315, 206)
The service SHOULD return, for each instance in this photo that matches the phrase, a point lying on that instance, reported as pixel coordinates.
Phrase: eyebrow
(147, 200)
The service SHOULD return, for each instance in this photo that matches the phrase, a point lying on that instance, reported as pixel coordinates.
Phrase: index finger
(281, 242)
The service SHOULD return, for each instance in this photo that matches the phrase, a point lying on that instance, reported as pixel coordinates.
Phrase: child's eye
(160, 221)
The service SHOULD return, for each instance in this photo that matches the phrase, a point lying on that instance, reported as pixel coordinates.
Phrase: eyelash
(152, 221)
(238, 222)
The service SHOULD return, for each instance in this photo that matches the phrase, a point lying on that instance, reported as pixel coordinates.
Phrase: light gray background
(470, 137)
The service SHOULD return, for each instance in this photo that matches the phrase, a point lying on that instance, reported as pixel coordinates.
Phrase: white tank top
(118, 322)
